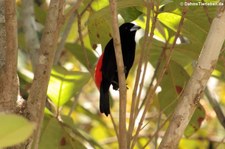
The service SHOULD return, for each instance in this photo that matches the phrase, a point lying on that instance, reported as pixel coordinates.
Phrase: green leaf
(99, 4)
(65, 84)
(172, 85)
(100, 22)
(157, 48)
(40, 14)
(75, 133)
(195, 29)
(196, 121)
(77, 51)
(15, 129)
(130, 14)
(170, 5)
(52, 134)
(194, 144)
(99, 31)
(161, 32)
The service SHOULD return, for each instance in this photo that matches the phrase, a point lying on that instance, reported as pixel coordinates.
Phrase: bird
(106, 69)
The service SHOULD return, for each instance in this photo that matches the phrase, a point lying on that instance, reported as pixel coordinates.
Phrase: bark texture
(8, 56)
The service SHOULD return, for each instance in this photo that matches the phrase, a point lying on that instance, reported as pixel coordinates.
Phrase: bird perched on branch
(106, 68)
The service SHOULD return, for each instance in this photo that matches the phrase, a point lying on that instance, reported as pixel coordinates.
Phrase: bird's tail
(104, 101)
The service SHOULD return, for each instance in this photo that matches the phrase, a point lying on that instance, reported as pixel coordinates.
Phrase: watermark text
(201, 4)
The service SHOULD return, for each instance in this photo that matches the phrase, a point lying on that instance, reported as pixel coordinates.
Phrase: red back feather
(98, 72)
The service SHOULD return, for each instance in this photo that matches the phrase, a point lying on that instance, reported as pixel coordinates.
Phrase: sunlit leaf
(65, 84)
(14, 129)
(99, 4)
(193, 144)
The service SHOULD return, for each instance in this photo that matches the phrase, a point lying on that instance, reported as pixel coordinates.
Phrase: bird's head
(128, 29)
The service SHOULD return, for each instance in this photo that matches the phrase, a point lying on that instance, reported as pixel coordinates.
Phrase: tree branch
(121, 76)
(74, 8)
(37, 96)
(196, 85)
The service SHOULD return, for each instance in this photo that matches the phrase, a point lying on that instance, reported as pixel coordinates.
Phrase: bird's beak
(135, 28)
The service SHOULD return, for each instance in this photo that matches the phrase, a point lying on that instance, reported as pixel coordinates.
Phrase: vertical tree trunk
(8, 56)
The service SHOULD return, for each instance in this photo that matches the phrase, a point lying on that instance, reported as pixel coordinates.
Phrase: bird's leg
(115, 85)
(126, 73)
(115, 81)
(125, 69)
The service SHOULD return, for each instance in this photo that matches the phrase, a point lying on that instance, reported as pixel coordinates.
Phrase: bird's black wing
(108, 70)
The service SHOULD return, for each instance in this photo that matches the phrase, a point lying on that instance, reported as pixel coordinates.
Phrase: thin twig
(74, 103)
(221, 142)
(65, 34)
(134, 95)
(59, 98)
(79, 17)
(205, 8)
(161, 57)
(150, 93)
(215, 106)
(158, 128)
(114, 126)
(85, 9)
(147, 57)
(73, 9)
(157, 131)
(82, 43)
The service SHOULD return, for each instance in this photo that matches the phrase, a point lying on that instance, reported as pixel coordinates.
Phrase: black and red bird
(106, 69)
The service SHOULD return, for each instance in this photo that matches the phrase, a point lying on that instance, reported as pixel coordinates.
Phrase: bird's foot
(115, 85)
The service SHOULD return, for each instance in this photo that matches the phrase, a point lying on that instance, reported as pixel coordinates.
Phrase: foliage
(14, 129)
(73, 119)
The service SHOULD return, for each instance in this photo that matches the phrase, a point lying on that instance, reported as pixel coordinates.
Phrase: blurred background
(72, 117)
